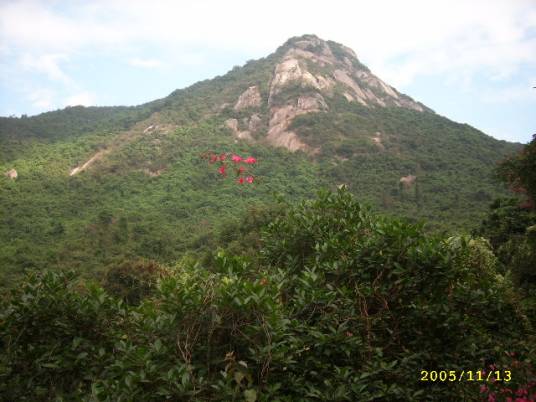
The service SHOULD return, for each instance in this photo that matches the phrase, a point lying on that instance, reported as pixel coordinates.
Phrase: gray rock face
(295, 68)
(281, 118)
(377, 140)
(307, 75)
(254, 123)
(232, 124)
(251, 97)
(357, 82)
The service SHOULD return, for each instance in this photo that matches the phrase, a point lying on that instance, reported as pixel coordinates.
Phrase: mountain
(88, 187)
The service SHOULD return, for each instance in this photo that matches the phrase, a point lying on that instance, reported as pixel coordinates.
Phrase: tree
(519, 171)
(132, 281)
(511, 226)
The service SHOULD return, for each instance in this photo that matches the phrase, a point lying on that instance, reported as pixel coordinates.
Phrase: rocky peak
(325, 65)
(307, 73)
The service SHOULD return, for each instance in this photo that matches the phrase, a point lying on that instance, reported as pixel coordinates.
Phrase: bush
(55, 338)
(132, 281)
(375, 300)
(511, 230)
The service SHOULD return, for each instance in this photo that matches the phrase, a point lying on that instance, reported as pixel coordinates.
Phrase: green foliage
(384, 281)
(330, 302)
(511, 224)
(451, 161)
(55, 338)
(342, 305)
(118, 213)
(506, 227)
(132, 281)
(237, 236)
(73, 121)
(524, 260)
(519, 171)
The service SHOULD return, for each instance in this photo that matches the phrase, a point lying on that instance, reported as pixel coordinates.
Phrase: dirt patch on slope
(151, 126)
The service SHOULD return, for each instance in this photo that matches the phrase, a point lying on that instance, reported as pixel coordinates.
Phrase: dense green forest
(315, 300)
(332, 303)
(92, 220)
(155, 197)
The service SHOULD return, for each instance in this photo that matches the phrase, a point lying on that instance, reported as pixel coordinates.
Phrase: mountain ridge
(292, 47)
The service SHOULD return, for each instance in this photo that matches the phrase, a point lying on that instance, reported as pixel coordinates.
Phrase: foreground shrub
(55, 338)
(375, 301)
(344, 305)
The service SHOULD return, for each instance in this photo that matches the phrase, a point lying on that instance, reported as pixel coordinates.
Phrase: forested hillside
(96, 186)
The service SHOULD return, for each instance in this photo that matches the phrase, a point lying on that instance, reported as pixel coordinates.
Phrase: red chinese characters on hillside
(240, 166)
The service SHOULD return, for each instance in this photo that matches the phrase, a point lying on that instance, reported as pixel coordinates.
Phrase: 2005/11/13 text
(470, 375)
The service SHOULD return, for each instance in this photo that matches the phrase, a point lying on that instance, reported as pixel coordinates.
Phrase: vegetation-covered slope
(96, 186)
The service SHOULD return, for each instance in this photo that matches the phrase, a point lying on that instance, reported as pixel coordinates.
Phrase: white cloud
(513, 93)
(80, 99)
(145, 63)
(191, 59)
(53, 26)
(455, 33)
(48, 64)
(41, 98)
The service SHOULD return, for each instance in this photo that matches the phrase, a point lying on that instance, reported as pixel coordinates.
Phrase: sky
(471, 61)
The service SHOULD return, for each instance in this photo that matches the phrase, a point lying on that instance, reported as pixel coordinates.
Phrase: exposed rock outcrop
(377, 140)
(408, 181)
(348, 97)
(287, 71)
(343, 77)
(375, 82)
(222, 107)
(385, 94)
(314, 103)
(322, 58)
(361, 85)
(408, 103)
(153, 173)
(281, 118)
(254, 123)
(149, 129)
(369, 90)
(232, 124)
(349, 51)
(308, 72)
(12, 174)
(251, 97)
(290, 70)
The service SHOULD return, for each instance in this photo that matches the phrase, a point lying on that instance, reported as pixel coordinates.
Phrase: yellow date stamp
(466, 375)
